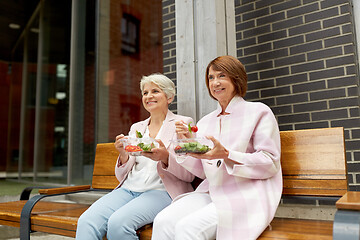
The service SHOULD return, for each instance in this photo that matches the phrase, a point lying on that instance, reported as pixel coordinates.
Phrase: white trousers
(192, 217)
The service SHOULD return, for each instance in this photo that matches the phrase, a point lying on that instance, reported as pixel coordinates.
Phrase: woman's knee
(89, 227)
(163, 227)
(188, 228)
(184, 225)
(121, 226)
(185, 230)
(84, 220)
(162, 220)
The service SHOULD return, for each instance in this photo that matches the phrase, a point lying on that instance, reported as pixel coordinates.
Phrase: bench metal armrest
(25, 194)
(25, 218)
(347, 217)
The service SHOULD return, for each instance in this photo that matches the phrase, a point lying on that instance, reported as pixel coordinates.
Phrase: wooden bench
(313, 165)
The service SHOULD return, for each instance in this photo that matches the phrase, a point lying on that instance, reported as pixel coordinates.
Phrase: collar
(169, 117)
(168, 128)
(230, 107)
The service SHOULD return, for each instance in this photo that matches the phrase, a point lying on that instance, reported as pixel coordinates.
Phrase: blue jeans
(120, 213)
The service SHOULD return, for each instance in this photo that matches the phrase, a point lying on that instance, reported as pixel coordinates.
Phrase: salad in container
(192, 145)
(135, 146)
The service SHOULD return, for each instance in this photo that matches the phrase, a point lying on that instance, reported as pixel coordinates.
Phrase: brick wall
(301, 60)
(169, 51)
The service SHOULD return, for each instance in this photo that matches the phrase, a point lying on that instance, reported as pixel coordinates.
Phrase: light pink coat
(246, 194)
(176, 179)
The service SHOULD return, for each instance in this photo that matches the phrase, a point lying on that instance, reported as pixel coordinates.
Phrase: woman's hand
(218, 151)
(182, 130)
(158, 154)
(124, 156)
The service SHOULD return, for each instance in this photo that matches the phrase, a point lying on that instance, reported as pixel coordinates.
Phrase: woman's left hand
(217, 152)
(158, 154)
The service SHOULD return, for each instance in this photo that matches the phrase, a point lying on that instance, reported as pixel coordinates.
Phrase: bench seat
(313, 165)
(299, 229)
(51, 217)
(61, 219)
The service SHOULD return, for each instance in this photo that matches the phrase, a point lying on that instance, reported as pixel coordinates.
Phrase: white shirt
(144, 176)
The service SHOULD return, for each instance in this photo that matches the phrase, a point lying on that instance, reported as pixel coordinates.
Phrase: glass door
(28, 100)
(52, 92)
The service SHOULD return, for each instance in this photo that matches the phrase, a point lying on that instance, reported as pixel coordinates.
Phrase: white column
(185, 58)
(205, 29)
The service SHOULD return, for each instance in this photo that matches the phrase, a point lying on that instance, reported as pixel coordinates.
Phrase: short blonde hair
(164, 83)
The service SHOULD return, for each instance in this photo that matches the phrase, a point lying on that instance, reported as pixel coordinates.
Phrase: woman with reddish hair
(242, 173)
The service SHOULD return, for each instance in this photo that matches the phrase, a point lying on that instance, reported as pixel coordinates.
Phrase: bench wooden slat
(105, 182)
(62, 222)
(104, 167)
(49, 217)
(314, 192)
(9, 223)
(104, 164)
(317, 154)
(315, 187)
(304, 175)
(61, 190)
(52, 230)
(285, 228)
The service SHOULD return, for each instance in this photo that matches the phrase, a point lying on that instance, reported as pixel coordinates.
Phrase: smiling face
(154, 99)
(221, 87)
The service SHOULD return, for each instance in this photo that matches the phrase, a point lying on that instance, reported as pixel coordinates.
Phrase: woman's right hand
(182, 130)
(119, 145)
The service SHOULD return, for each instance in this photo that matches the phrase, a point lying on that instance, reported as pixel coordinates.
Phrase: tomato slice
(132, 148)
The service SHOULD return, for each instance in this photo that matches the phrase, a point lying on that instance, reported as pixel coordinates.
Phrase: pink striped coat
(246, 194)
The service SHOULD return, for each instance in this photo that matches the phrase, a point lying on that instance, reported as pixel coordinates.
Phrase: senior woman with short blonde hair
(147, 183)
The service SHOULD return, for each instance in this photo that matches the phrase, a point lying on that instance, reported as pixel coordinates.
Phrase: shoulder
(242, 107)
(256, 106)
(209, 117)
(258, 110)
(178, 117)
(139, 124)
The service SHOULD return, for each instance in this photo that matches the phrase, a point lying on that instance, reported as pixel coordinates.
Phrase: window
(130, 34)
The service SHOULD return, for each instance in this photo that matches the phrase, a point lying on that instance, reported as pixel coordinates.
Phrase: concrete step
(304, 211)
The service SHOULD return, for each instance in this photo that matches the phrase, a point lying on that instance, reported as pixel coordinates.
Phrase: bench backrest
(104, 166)
(313, 163)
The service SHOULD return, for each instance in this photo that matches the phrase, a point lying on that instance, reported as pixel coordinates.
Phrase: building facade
(72, 79)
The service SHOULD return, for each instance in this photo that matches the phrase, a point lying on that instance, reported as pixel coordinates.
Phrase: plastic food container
(135, 146)
(192, 145)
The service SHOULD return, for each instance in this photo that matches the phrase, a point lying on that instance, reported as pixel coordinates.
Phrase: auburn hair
(233, 68)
